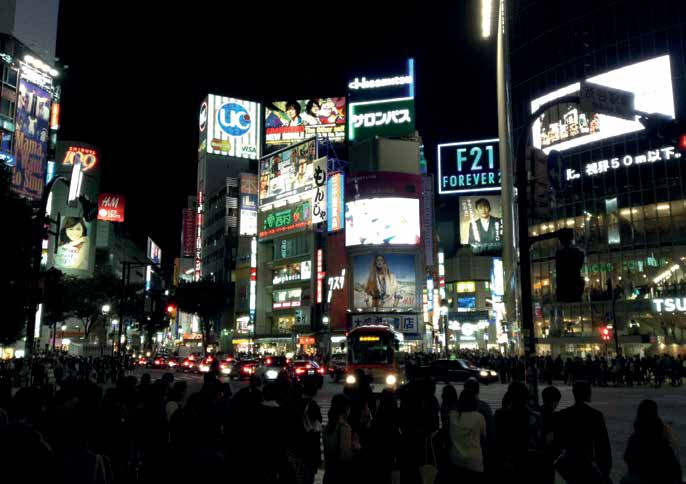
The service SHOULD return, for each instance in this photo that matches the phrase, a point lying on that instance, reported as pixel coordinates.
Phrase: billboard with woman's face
(73, 247)
(384, 282)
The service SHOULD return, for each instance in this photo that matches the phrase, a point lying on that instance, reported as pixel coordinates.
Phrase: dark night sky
(137, 75)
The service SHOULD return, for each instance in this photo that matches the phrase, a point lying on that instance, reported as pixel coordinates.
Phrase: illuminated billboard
(111, 207)
(469, 166)
(382, 221)
(296, 271)
(284, 219)
(287, 172)
(188, 233)
(31, 140)
(154, 252)
(387, 118)
(73, 245)
(335, 202)
(384, 282)
(319, 208)
(248, 204)
(231, 127)
(386, 81)
(287, 298)
(288, 122)
(86, 157)
(481, 224)
(567, 126)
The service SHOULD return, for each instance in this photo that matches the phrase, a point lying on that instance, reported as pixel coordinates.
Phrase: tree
(16, 275)
(205, 298)
(84, 298)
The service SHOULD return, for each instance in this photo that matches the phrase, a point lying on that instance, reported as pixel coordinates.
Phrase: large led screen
(382, 221)
(287, 172)
(291, 121)
(231, 127)
(384, 282)
(567, 126)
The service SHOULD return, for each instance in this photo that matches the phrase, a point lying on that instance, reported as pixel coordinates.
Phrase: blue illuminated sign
(233, 119)
(468, 167)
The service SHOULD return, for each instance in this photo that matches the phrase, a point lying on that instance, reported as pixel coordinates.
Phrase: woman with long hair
(467, 427)
(73, 246)
(339, 442)
(651, 452)
(382, 289)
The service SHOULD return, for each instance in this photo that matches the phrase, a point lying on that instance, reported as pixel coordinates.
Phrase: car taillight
(247, 369)
(299, 371)
(321, 370)
(269, 361)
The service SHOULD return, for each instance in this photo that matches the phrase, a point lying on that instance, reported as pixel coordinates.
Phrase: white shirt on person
(466, 431)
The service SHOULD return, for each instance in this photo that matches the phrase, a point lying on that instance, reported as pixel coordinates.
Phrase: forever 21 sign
(467, 167)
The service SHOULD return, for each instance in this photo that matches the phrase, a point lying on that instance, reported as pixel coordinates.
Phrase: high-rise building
(620, 191)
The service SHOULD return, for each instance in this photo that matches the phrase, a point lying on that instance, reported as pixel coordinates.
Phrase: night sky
(137, 75)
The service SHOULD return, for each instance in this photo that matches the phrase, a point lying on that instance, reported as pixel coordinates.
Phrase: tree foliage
(84, 298)
(205, 298)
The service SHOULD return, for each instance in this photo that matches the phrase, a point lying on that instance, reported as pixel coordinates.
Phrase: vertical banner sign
(31, 143)
(111, 207)
(441, 275)
(248, 204)
(188, 231)
(198, 238)
(253, 279)
(335, 204)
(428, 219)
(320, 275)
(319, 192)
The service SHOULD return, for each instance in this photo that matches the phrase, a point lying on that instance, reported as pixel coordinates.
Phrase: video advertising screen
(382, 221)
(288, 122)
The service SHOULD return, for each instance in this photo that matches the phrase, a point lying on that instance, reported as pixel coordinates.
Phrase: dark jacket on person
(581, 430)
(650, 458)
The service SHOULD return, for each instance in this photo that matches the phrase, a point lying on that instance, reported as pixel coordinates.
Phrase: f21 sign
(468, 167)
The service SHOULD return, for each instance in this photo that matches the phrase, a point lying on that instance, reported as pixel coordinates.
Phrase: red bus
(374, 350)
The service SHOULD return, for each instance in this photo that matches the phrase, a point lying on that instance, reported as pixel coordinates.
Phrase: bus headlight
(391, 380)
(350, 380)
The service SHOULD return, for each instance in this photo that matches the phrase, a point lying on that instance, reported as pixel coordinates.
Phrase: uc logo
(233, 119)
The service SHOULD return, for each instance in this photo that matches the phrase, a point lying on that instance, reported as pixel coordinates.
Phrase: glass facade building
(623, 193)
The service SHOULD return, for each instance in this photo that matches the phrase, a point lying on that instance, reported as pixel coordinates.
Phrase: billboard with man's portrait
(481, 224)
(384, 282)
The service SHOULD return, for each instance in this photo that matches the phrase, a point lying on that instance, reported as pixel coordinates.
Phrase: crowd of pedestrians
(84, 420)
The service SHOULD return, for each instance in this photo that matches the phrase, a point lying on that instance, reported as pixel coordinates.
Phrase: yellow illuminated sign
(369, 338)
(466, 286)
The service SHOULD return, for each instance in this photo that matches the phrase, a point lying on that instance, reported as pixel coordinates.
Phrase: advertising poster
(319, 192)
(188, 231)
(231, 127)
(291, 121)
(335, 202)
(481, 224)
(73, 246)
(566, 126)
(469, 166)
(286, 219)
(388, 118)
(154, 252)
(111, 207)
(382, 221)
(384, 282)
(287, 172)
(31, 140)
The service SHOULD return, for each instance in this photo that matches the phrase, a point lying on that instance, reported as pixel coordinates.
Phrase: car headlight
(391, 380)
(226, 371)
(483, 373)
(204, 368)
(494, 373)
(350, 379)
(272, 374)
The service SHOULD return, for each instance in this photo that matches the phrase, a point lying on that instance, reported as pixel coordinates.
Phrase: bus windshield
(371, 349)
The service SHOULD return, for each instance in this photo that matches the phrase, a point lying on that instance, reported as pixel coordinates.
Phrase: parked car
(460, 370)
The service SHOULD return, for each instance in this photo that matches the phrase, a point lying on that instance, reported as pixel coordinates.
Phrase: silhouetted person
(582, 436)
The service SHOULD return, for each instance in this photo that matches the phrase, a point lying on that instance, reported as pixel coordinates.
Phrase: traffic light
(569, 284)
(171, 310)
(665, 130)
(605, 333)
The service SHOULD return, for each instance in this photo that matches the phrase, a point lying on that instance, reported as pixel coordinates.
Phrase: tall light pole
(506, 158)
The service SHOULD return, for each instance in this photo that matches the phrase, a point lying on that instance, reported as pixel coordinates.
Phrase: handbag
(428, 472)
